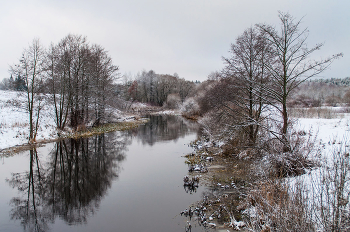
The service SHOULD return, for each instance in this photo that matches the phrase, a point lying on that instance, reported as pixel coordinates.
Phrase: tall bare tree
(293, 64)
(31, 68)
(246, 70)
(102, 73)
(57, 80)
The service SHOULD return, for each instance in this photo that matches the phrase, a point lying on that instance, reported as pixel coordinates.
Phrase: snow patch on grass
(14, 120)
(329, 131)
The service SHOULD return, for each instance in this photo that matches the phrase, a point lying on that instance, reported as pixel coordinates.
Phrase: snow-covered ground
(326, 129)
(14, 120)
(327, 186)
(329, 132)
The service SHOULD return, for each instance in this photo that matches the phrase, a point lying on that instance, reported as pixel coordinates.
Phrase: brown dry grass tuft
(278, 207)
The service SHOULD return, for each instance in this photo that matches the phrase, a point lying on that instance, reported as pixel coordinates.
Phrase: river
(120, 181)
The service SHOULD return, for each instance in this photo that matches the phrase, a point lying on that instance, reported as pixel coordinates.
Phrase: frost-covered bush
(173, 101)
(301, 156)
(318, 201)
(190, 107)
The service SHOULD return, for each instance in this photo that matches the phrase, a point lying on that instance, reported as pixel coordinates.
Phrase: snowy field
(327, 187)
(329, 132)
(14, 120)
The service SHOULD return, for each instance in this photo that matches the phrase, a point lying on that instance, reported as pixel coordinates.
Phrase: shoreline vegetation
(86, 132)
(246, 194)
(273, 150)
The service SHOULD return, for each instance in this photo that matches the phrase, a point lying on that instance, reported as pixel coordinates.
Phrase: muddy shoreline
(228, 179)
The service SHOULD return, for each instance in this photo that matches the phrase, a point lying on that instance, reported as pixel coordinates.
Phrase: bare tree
(293, 64)
(81, 79)
(58, 79)
(248, 80)
(31, 68)
(102, 73)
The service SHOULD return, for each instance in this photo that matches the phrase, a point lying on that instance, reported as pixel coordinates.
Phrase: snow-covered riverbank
(14, 120)
(14, 123)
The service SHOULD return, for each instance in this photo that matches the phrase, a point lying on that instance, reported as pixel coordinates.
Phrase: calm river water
(120, 181)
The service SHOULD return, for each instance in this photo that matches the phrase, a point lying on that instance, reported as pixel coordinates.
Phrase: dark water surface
(120, 181)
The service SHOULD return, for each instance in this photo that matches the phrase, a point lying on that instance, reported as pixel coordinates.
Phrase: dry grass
(20, 124)
(278, 207)
(106, 128)
(317, 112)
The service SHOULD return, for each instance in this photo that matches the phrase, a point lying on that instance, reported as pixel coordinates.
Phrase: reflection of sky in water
(146, 195)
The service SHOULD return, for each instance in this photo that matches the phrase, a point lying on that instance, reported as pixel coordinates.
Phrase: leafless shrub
(13, 102)
(236, 143)
(173, 101)
(301, 156)
(190, 108)
(234, 138)
(210, 129)
(20, 124)
(331, 191)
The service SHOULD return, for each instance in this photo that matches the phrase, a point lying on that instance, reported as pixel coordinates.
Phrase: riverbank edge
(88, 132)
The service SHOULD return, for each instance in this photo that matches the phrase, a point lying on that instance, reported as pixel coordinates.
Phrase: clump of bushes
(304, 101)
(190, 108)
(274, 205)
(173, 101)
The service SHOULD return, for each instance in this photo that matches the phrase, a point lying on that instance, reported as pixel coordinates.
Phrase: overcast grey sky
(188, 37)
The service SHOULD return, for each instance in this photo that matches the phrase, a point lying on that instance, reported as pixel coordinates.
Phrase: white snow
(322, 182)
(326, 129)
(14, 119)
(329, 132)
(14, 129)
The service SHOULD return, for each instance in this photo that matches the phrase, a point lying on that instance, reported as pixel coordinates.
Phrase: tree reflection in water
(71, 184)
(164, 128)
